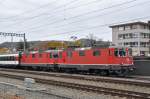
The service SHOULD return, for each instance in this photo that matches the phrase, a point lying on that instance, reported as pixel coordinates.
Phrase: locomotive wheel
(104, 73)
(123, 73)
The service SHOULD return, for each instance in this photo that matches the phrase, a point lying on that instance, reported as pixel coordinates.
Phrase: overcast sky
(61, 19)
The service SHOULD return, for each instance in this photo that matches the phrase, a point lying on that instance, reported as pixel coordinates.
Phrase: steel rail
(91, 88)
(97, 79)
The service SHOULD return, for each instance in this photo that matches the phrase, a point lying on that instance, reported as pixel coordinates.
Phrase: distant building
(4, 50)
(135, 35)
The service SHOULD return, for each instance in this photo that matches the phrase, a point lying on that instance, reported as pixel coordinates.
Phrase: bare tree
(92, 39)
(20, 45)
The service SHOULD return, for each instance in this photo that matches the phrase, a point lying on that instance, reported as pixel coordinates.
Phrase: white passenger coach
(9, 59)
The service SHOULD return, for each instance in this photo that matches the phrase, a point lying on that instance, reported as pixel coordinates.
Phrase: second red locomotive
(92, 60)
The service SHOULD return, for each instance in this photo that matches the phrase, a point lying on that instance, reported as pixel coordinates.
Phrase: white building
(135, 35)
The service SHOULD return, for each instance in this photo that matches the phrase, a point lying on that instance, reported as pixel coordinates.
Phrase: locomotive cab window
(55, 55)
(120, 52)
(96, 53)
(81, 53)
(116, 52)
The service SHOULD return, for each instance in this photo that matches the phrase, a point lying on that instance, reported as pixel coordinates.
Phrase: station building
(135, 35)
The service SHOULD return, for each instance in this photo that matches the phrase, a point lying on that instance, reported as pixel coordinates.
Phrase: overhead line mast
(16, 35)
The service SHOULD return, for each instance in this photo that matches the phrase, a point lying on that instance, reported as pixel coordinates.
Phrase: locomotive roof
(84, 48)
(53, 51)
(47, 51)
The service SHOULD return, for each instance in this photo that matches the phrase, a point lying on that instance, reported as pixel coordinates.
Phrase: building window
(96, 53)
(135, 35)
(145, 35)
(120, 44)
(127, 27)
(144, 44)
(81, 53)
(142, 53)
(120, 36)
(134, 26)
(128, 36)
(142, 26)
(131, 44)
(121, 28)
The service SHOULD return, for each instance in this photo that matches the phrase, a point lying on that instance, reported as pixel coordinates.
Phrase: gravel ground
(61, 91)
(10, 91)
(101, 84)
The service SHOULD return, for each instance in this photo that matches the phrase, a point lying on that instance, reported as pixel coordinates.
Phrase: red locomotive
(92, 60)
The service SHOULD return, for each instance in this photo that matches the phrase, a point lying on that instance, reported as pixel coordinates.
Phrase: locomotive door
(110, 56)
(55, 60)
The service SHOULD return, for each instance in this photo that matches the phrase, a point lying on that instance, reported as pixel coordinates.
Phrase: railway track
(86, 87)
(127, 81)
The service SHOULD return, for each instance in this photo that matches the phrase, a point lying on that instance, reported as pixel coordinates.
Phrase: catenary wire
(94, 17)
(98, 26)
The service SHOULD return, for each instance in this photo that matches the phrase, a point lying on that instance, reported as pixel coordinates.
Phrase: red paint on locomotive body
(82, 59)
(99, 60)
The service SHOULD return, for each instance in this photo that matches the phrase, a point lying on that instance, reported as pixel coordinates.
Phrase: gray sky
(60, 19)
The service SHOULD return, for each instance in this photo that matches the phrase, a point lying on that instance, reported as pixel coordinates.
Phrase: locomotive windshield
(120, 52)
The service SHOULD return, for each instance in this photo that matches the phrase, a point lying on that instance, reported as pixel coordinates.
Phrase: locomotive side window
(81, 53)
(7, 58)
(33, 55)
(1, 59)
(12, 58)
(55, 55)
(96, 53)
(69, 54)
(116, 52)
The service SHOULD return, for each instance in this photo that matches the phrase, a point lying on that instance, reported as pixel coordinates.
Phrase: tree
(20, 45)
(92, 39)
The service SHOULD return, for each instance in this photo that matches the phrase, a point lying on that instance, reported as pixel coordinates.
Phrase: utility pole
(24, 46)
(12, 47)
(16, 35)
(149, 46)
